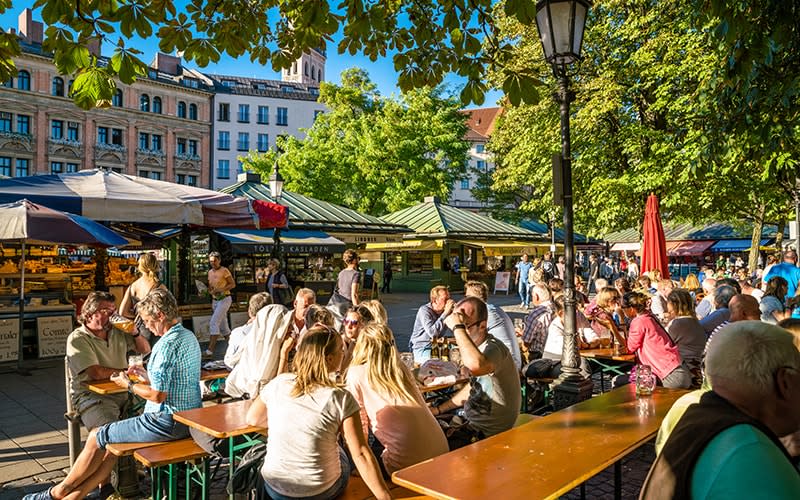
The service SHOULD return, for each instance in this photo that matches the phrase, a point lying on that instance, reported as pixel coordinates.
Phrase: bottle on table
(435, 349)
(444, 350)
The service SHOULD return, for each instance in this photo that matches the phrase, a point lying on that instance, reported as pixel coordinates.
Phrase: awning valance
(501, 248)
(686, 248)
(633, 246)
(292, 241)
(736, 245)
(399, 246)
(363, 238)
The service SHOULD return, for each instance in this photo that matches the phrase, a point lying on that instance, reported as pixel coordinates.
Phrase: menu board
(502, 281)
(9, 339)
(200, 327)
(52, 333)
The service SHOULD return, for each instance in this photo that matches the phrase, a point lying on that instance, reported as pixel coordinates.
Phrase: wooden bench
(127, 449)
(164, 458)
(528, 383)
(357, 490)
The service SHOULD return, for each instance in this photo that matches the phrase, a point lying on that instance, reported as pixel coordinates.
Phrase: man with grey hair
(727, 446)
(706, 305)
(722, 297)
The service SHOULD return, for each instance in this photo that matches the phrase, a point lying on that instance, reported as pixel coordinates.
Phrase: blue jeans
(147, 427)
(523, 293)
(422, 354)
(334, 491)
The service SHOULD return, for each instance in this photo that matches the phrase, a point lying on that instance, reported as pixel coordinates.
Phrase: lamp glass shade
(276, 184)
(561, 24)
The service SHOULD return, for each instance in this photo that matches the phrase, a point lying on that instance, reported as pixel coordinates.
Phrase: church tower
(309, 69)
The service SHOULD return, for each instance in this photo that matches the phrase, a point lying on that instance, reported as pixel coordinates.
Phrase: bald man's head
(744, 307)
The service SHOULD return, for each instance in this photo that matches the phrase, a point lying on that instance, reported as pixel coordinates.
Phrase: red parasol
(654, 246)
(270, 215)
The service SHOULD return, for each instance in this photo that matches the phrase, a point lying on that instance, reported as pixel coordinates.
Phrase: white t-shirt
(302, 450)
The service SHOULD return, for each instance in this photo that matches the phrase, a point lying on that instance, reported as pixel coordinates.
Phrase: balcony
(149, 158)
(158, 153)
(110, 152)
(187, 161)
(118, 148)
(187, 157)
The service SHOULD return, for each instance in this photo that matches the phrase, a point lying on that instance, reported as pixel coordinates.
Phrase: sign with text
(52, 333)
(502, 281)
(200, 327)
(9, 339)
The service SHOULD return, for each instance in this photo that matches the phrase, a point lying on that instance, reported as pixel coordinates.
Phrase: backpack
(246, 476)
(548, 269)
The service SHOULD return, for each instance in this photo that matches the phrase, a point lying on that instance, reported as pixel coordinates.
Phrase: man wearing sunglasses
(491, 400)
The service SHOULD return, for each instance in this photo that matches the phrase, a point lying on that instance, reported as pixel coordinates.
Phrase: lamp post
(561, 24)
(276, 190)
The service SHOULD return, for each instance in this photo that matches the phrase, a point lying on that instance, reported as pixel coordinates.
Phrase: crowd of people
(330, 386)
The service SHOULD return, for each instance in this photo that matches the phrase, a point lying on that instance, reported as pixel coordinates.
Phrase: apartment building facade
(251, 113)
(158, 128)
(480, 123)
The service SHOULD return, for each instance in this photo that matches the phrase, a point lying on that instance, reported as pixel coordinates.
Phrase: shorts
(147, 427)
(97, 411)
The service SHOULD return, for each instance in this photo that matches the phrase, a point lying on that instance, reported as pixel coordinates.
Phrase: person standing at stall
(146, 282)
(220, 284)
(278, 284)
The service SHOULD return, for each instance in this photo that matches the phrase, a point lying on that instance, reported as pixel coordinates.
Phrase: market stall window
(420, 263)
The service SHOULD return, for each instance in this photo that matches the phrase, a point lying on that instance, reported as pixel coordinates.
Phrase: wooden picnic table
(607, 361)
(106, 386)
(549, 456)
(224, 421)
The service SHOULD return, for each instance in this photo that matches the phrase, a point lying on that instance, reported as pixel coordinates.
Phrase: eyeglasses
(350, 322)
(106, 310)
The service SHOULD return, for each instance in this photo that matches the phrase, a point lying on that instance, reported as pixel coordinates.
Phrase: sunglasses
(350, 322)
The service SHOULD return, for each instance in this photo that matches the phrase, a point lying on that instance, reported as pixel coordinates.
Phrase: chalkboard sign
(502, 280)
(52, 333)
(9, 339)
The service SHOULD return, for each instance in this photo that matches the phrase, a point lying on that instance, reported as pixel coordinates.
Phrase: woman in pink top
(648, 339)
(391, 402)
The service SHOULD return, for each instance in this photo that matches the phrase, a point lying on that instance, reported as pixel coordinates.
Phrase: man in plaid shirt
(537, 322)
(170, 384)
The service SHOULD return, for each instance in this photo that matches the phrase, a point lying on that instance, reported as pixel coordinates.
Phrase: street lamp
(561, 24)
(276, 190)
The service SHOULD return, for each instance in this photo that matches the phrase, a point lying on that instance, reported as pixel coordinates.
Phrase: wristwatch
(460, 325)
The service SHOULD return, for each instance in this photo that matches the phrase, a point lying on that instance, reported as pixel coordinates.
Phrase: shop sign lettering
(9, 339)
(52, 333)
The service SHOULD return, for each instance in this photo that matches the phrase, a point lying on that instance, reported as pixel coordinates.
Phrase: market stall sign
(297, 241)
(52, 333)
(9, 343)
(362, 238)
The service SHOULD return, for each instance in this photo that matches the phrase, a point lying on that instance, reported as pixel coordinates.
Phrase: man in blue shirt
(429, 323)
(523, 266)
(787, 270)
(170, 384)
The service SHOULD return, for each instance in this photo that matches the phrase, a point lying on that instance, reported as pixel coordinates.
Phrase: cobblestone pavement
(33, 432)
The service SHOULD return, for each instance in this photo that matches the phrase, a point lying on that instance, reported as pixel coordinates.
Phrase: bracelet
(461, 326)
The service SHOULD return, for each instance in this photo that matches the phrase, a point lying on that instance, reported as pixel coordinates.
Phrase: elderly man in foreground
(727, 445)
(170, 384)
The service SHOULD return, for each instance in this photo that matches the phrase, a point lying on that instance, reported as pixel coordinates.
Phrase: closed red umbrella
(654, 246)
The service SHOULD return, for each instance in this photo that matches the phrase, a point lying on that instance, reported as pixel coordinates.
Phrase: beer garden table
(619, 364)
(549, 456)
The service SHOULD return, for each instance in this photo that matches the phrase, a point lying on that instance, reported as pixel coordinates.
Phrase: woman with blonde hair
(373, 311)
(392, 406)
(601, 315)
(147, 281)
(304, 412)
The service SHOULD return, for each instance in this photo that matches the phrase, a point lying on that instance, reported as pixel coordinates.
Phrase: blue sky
(381, 71)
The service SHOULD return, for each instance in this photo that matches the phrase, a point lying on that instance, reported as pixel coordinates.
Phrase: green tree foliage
(647, 118)
(426, 39)
(374, 154)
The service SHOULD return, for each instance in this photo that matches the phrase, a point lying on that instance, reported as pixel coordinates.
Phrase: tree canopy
(371, 153)
(652, 114)
(426, 39)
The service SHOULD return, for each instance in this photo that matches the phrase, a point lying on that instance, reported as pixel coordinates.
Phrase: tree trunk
(755, 240)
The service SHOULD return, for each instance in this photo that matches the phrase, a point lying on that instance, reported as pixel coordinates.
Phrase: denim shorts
(147, 427)
(333, 492)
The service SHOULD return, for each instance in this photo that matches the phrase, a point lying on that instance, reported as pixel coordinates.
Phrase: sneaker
(208, 354)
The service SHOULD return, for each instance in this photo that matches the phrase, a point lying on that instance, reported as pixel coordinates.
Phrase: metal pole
(20, 338)
(796, 216)
(571, 386)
